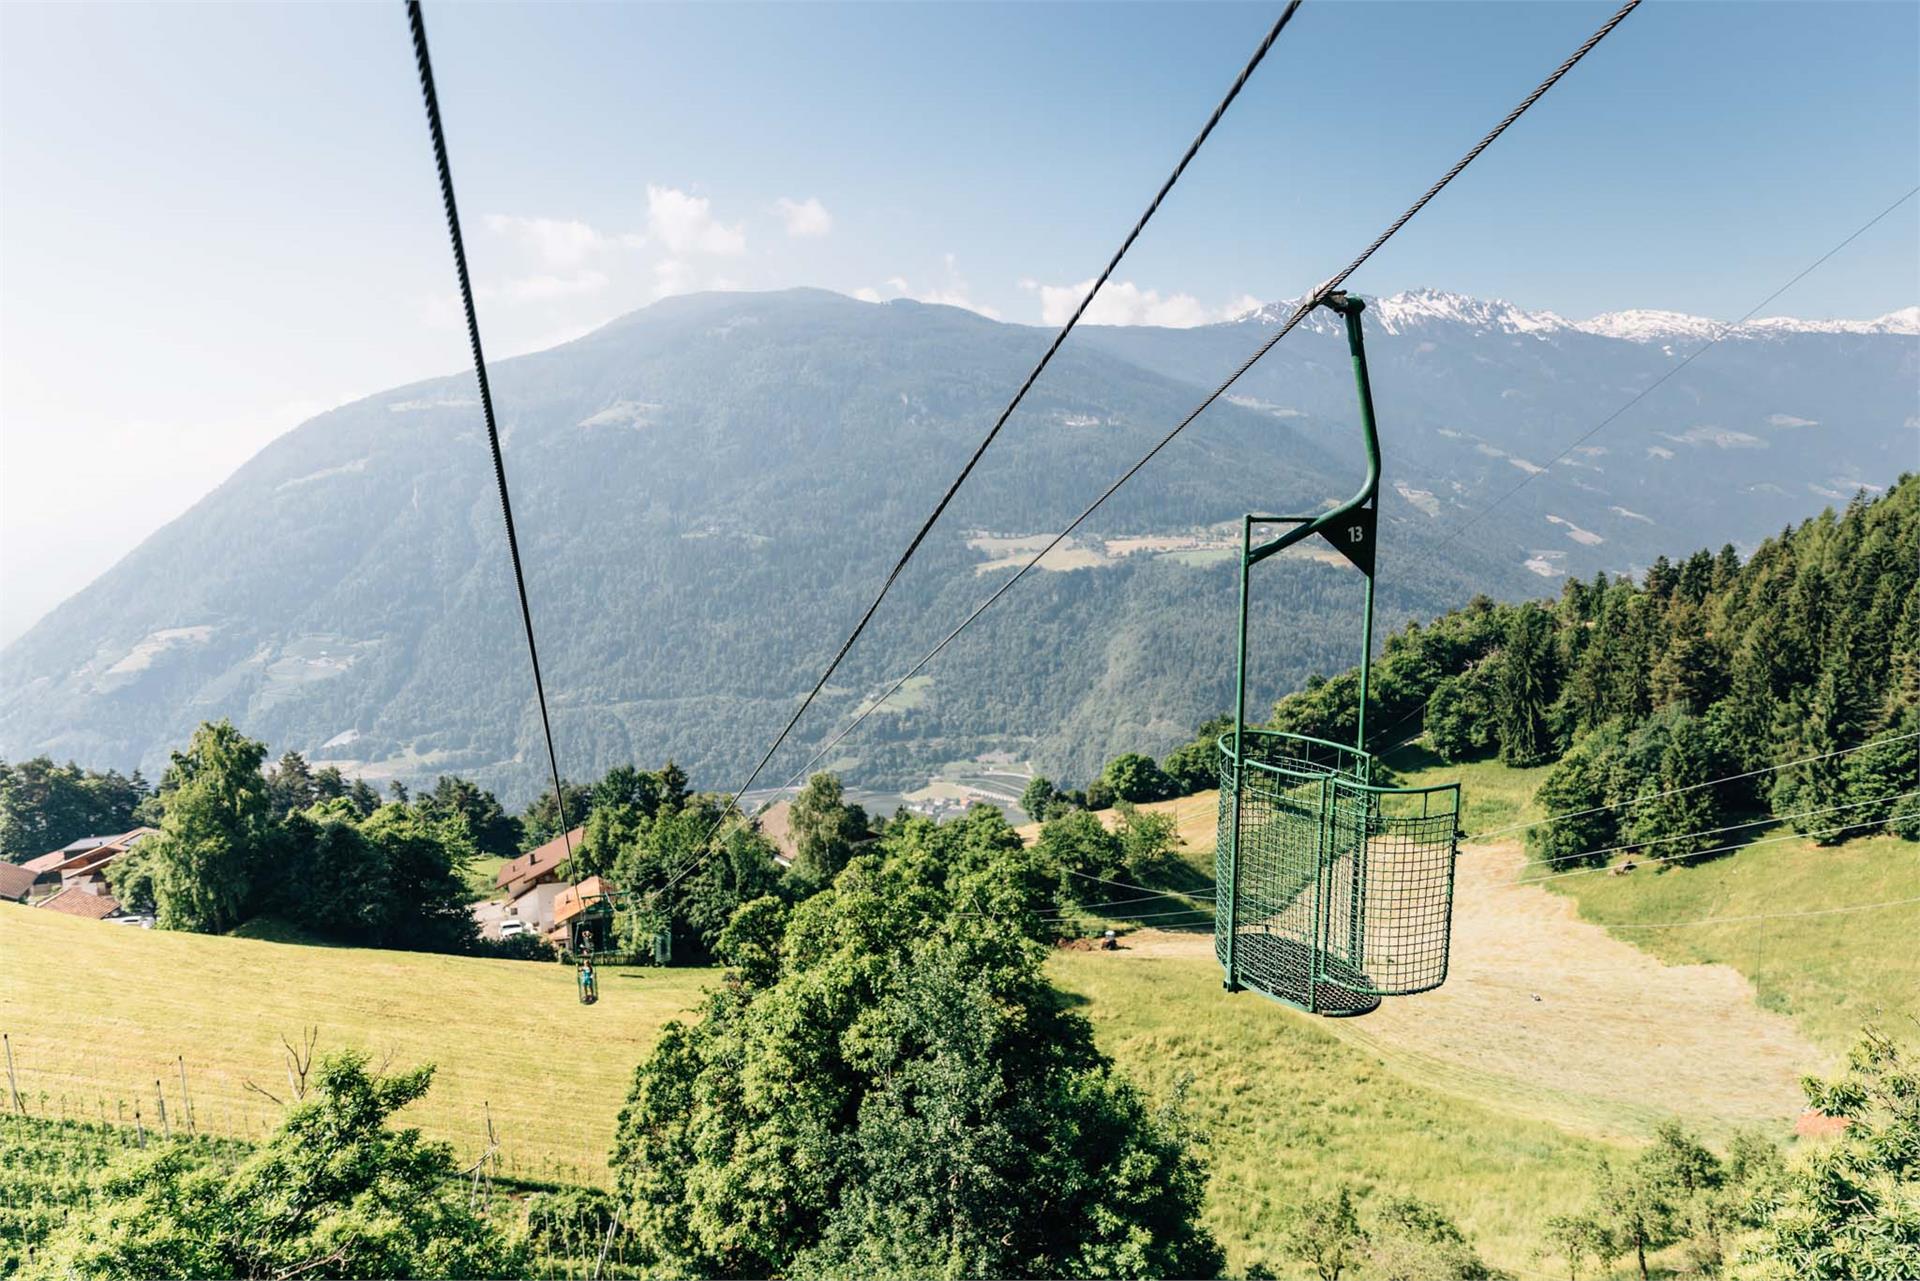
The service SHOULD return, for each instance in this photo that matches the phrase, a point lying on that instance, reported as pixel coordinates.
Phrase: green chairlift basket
(1331, 892)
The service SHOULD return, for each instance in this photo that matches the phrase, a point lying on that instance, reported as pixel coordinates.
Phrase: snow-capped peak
(1664, 326)
(1417, 308)
(1413, 308)
(1644, 325)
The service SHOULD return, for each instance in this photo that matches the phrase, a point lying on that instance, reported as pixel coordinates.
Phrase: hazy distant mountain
(709, 490)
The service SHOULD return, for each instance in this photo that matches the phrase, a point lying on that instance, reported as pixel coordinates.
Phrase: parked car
(509, 928)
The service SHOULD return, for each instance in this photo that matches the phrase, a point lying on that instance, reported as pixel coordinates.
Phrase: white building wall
(535, 907)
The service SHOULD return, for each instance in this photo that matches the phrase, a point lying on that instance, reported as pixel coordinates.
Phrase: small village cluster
(533, 894)
(73, 879)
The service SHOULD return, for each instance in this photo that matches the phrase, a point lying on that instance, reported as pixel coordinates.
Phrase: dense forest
(1670, 709)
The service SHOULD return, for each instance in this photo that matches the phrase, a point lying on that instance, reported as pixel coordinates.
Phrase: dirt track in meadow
(1553, 1016)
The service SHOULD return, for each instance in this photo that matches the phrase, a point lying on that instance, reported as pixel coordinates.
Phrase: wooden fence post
(186, 1100)
(165, 1125)
(13, 1083)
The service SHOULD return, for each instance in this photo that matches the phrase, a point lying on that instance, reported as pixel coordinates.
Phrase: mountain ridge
(707, 488)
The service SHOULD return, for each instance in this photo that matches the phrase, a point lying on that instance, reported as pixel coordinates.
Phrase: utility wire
(1731, 827)
(1693, 787)
(1690, 357)
(1312, 300)
(1767, 916)
(1453, 534)
(432, 100)
(1146, 889)
(1205, 892)
(926, 527)
(1722, 849)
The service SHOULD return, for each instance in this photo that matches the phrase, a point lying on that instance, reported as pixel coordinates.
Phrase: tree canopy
(888, 1085)
(334, 1192)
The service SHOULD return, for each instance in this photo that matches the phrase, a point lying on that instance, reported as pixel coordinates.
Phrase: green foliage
(826, 830)
(541, 821)
(1077, 842)
(218, 834)
(1038, 798)
(333, 1193)
(1195, 767)
(50, 1172)
(1675, 1192)
(383, 876)
(1529, 681)
(894, 1089)
(44, 806)
(1849, 1208)
(1707, 669)
(1459, 714)
(1341, 1236)
(1149, 843)
(491, 830)
(1136, 779)
(646, 833)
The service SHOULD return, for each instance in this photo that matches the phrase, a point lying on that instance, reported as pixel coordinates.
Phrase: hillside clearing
(1552, 1016)
(1832, 973)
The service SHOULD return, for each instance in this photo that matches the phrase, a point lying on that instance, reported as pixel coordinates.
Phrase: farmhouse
(80, 865)
(527, 887)
(89, 904)
(16, 882)
(776, 824)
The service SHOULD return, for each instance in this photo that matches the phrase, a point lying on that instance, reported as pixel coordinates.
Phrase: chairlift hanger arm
(1304, 527)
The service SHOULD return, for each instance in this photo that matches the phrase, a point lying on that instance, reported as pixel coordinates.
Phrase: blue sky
(216, 221)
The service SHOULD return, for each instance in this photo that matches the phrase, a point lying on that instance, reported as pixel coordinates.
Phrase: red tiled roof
(93, 907)
(15, 880)
(538, 862)
(89, 851)
(571, 901)
(776, 824)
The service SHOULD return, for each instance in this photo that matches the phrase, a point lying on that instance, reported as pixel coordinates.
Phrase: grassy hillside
(1830, 972)
(97, 1013)
(1289, 1109)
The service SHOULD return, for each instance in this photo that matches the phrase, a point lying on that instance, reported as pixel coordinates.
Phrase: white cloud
(685, 224)
(541, 288)
(954, 292)
(1125, 303)
(804, 217)
(560, 243)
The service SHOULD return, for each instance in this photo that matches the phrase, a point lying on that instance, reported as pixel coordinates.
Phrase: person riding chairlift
(589, 984)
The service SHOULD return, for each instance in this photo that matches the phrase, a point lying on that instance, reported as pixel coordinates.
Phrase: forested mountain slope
(709, 490)
(1785, 684)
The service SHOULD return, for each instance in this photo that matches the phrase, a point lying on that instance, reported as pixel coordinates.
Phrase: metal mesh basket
(1333, 892)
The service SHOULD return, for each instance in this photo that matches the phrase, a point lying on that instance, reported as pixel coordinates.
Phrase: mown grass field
(1289, 1109)
(1831, 972)
(97, 1013)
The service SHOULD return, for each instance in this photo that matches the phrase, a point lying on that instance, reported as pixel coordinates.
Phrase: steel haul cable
(926, 527)
(432, 101)
(1299, 313)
